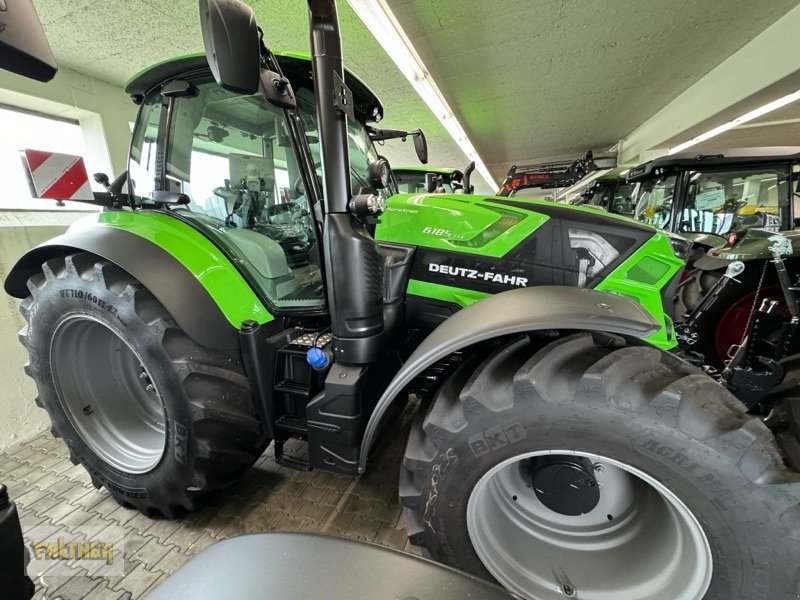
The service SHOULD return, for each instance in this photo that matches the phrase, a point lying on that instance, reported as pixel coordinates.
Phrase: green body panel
(483, 227)
(455, 222)
(195, 252)
(642, 277)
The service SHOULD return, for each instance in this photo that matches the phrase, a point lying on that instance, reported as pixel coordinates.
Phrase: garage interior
(513, 87)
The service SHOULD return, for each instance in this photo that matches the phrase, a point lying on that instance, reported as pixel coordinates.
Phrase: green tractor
(430, 180)
(252, 279)
(735, 207)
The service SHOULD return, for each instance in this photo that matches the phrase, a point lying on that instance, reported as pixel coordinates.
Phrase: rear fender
(515, 311)
(195, 282)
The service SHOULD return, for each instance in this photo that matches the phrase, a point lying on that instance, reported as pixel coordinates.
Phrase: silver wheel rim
(108, 395)
(639, 541)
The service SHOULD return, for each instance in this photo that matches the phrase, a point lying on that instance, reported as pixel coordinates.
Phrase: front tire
(153, 417)
(500, 478)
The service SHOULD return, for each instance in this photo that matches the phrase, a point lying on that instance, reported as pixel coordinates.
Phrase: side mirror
(432, 182)
(232, 44)
(421, 146)
(102, 179)
(420, 143)
(24, 49)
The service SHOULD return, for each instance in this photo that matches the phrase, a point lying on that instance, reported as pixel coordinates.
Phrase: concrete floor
(49, 490)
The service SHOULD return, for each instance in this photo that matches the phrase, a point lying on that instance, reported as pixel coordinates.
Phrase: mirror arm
(381, 135)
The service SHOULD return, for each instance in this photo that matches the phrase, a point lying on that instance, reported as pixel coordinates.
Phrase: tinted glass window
(721, 201)
(232, 155)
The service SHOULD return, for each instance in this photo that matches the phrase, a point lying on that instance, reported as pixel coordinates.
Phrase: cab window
(232, 155)
(653, 201)
(361, 150)
(722, 201)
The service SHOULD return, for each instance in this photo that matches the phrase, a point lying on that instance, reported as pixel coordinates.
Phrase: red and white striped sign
(57, 176)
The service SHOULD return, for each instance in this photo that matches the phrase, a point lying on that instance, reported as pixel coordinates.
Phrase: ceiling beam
(763, 70)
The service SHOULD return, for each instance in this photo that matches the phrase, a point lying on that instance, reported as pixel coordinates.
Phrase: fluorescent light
(381, 22)
(753, 114)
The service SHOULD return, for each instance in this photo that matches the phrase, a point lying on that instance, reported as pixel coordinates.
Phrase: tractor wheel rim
(108, 395)
(637, 540)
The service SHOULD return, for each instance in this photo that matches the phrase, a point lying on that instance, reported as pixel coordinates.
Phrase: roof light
(381, 22)
(753, 114)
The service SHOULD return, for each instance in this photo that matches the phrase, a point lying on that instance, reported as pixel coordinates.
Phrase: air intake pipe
(353, 265)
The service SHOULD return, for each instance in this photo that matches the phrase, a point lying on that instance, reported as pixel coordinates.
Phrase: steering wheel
(298, 189)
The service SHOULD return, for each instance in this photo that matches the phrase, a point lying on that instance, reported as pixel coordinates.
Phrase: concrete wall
(20, 418)
(103, 110)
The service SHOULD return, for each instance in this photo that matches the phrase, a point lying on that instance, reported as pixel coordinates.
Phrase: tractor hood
(477, 224)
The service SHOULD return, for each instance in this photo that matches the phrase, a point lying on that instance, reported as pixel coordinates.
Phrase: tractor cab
(718, 194)
(422, 179)
(243, 172)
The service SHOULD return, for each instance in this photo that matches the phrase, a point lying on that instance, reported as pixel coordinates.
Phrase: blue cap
(317, 358)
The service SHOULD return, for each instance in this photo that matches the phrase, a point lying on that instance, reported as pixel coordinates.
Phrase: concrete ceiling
(114, 39)
(778, 128)
(544, 78)
(528, 79)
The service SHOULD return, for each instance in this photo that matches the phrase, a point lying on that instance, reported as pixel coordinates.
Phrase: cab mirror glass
(421, 146)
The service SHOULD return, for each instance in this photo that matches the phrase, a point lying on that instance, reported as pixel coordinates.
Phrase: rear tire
(725, 321)
(671, 429)
(154, 417)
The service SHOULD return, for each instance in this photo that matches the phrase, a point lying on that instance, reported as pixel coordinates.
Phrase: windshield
(723, 201)
(653, 201)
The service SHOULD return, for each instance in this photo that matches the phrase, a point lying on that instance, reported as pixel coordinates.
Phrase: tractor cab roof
(295, 65)
(735, 157)
(452, 173)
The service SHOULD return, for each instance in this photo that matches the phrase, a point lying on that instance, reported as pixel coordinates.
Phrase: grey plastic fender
(514, 311)
(169, 281)
(310, 566)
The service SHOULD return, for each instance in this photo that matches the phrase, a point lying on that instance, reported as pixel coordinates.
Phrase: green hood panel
(212, 269)
(455, 222)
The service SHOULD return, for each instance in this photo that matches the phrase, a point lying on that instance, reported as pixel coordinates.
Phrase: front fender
(189, 275)
(514, 311)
